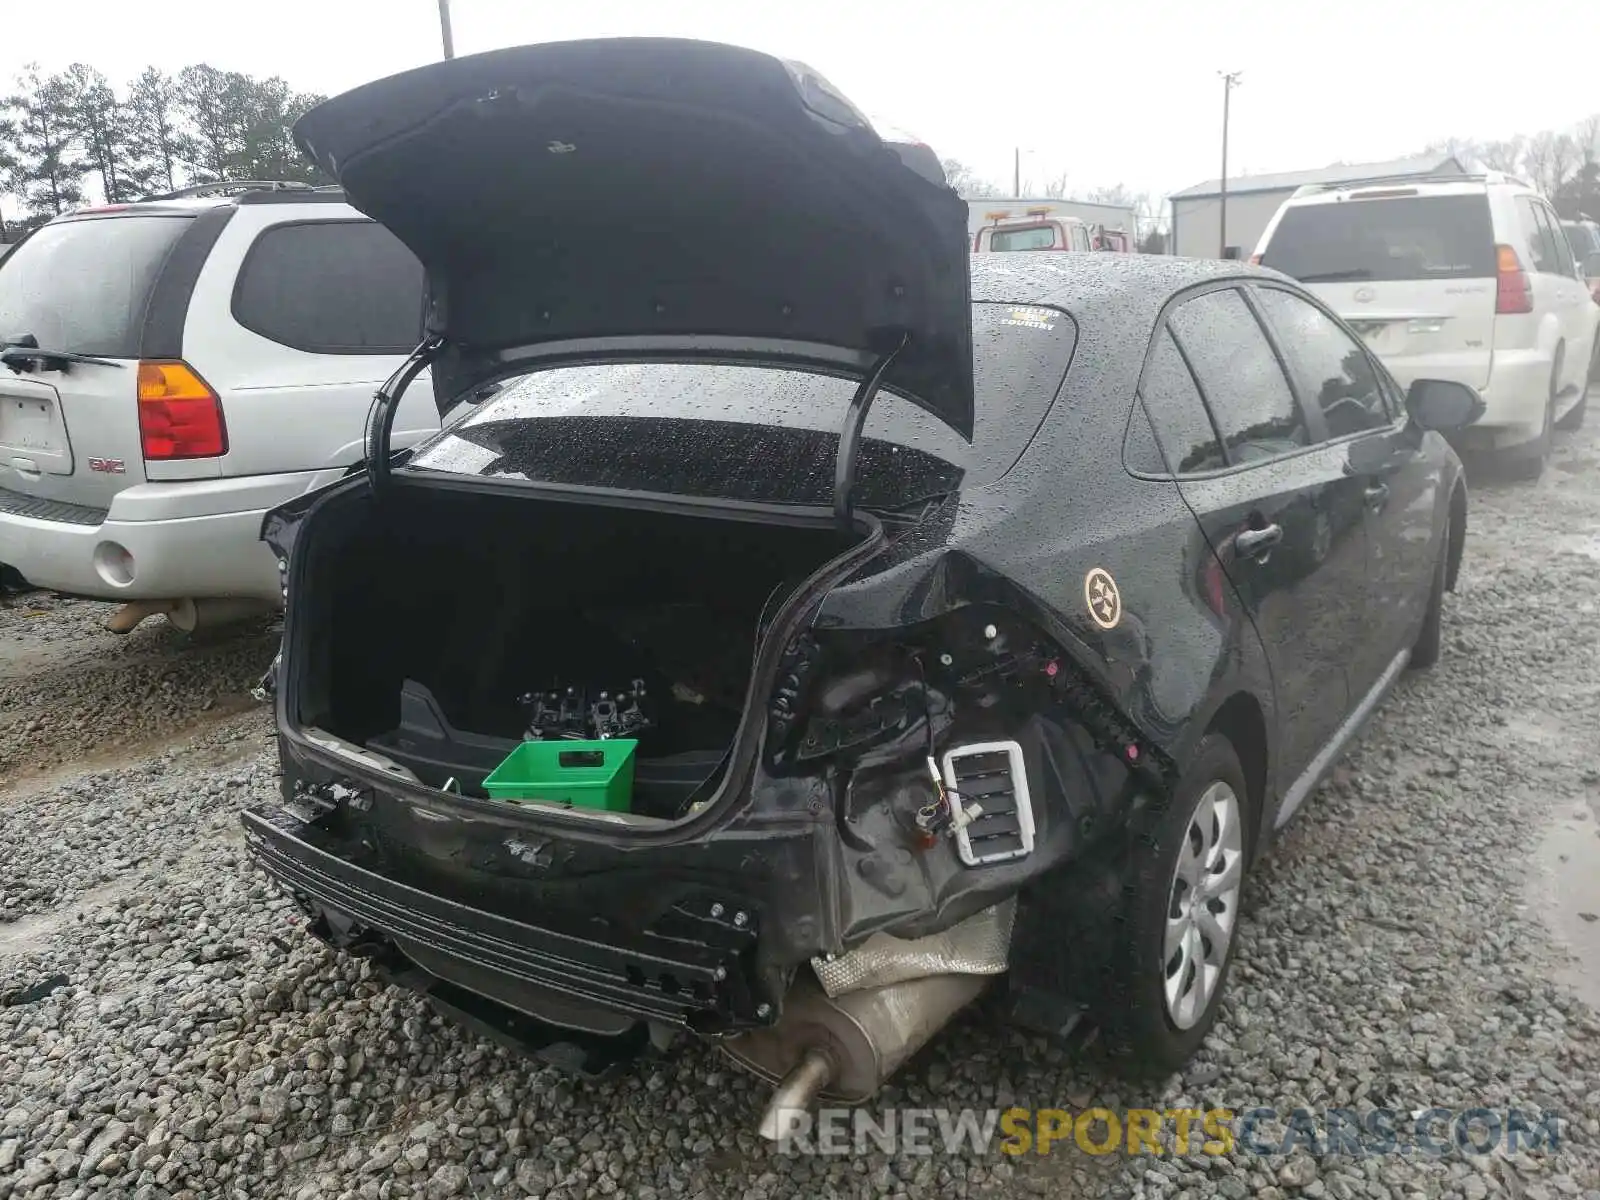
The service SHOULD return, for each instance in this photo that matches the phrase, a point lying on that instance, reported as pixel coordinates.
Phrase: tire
(1573, 421)
(1426, 651)
(1145, 1030)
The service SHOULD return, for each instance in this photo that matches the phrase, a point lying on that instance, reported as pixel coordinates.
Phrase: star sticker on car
(1103, 599)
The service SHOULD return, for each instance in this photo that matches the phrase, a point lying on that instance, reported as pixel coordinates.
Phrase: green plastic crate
(583, 774)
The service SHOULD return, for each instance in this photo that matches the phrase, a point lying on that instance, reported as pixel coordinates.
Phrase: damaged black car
(802, 627)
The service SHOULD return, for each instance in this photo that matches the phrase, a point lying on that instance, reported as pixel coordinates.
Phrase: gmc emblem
(108, 466)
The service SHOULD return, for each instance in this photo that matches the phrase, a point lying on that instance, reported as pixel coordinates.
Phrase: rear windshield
(1411, 237)
(83, 286)
(1041, 237)
(760, 434)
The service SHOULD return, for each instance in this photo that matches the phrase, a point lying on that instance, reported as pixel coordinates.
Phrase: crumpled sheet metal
(980, 945)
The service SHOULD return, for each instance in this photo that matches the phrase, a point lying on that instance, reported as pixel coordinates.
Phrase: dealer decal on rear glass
(1031, 318)
(1104, 600)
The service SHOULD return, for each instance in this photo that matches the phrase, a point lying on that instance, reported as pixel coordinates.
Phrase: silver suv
(175, 368)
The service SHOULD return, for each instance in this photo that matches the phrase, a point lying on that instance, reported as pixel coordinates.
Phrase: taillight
(179, 415)
(1512, 294)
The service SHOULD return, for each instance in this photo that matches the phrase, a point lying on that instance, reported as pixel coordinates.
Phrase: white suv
(1465, 277)
(175, 368)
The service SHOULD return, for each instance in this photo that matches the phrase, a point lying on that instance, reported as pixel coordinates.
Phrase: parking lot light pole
(444, 29)
(1230, 80)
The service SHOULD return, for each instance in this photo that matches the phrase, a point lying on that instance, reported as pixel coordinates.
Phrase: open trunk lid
(651, 197)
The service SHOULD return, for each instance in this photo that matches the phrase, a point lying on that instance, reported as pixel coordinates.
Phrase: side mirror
(1591, 266)
(1443, 404)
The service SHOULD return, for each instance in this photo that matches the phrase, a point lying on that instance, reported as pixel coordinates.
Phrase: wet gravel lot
(167, 1030)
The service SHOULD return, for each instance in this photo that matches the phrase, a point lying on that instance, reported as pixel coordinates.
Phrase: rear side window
(1334, 371)
(1178, 413)
(1551, 225)
(1404, 237)
(83, 286)
(1244, 387)
(1537, 247)
(332, 287)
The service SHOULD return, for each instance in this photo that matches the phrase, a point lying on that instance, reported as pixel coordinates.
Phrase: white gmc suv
(174, 368)
(1464, 277)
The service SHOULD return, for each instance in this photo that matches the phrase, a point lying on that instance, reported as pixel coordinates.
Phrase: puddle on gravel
(1564, 888)
(31, 933)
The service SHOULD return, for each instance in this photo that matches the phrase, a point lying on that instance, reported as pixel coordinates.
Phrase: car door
(1576, 308)
(1556, 289)
(1271, 510)
(1353, 399)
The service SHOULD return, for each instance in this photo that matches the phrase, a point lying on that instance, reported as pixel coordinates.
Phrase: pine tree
(48, 176)
(158, 143)
(100, 123)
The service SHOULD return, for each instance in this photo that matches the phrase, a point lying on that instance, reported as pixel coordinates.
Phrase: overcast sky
(1109, 93)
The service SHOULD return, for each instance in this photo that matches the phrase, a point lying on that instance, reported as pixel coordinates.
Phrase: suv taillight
(1511, 284)
(179, 415)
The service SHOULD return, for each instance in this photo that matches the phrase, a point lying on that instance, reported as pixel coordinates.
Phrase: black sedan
(800, 626)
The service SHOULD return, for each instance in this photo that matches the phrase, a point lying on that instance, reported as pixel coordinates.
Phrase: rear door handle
(1377, 495)
(1258, 543)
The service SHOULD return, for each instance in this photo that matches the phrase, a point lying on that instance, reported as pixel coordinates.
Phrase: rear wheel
(1188, 881)
(1574, 419)
(1426, 652)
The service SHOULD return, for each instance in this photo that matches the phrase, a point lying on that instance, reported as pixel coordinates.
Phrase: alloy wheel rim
(1203, 905)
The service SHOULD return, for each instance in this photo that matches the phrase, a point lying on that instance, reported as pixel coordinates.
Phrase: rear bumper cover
(196, 538)
(693, 967)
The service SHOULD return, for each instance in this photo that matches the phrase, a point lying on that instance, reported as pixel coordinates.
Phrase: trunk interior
(441, 613)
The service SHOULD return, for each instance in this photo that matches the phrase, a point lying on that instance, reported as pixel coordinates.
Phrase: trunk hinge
(385, 402)
(855, 419)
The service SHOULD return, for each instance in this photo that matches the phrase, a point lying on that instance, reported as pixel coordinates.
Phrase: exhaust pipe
(190, 615)
(844, 1047)
(128, 617)
(795, 1095)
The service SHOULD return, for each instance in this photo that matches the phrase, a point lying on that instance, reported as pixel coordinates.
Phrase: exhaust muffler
(852, 1022)
(843, 1048)
(187, 614)
(190, 615)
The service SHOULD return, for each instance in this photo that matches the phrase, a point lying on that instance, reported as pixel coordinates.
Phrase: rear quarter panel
(1067, 509)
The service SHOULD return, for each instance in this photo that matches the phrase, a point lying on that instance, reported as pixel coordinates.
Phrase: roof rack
(1344, 185)
(223, 187)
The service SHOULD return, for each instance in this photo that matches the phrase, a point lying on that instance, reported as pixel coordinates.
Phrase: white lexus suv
(174, 368)
(1462, 277)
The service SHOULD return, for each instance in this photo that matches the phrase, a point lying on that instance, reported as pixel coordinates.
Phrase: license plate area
(33, 437)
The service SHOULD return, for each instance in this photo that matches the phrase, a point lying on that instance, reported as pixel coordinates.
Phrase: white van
(1464, 277)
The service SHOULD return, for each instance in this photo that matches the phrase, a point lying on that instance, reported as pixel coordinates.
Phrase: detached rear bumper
(694, 968)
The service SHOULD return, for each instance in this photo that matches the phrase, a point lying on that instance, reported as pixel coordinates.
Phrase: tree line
(1564, 164)
(73, 137)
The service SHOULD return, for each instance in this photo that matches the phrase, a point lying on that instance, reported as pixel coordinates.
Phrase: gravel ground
(1397, 952)
(69, 689)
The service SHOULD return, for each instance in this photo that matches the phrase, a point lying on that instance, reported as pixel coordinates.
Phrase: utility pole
(1016, 171)
(444, 29)
(1230, 80)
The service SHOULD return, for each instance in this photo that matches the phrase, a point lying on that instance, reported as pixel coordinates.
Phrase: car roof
(1459, 185)
(193, 201)
(1100, 288)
